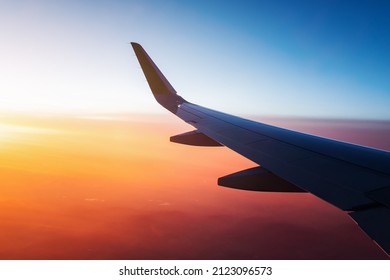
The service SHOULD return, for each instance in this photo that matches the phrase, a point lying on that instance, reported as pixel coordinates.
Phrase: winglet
(162, 90)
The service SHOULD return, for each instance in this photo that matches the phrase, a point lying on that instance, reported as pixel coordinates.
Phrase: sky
(86, 167)
(300, 58)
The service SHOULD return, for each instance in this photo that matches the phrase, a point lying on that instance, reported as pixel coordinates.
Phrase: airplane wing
(353, 178)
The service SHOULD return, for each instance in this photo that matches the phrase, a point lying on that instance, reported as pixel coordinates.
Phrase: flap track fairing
(194, 138)
(257, 179)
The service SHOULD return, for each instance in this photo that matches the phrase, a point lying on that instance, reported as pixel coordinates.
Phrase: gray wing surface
(353, 178)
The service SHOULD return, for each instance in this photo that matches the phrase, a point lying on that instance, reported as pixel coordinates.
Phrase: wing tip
(162, 90)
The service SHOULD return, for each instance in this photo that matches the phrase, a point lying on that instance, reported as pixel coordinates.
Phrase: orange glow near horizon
(98, 187)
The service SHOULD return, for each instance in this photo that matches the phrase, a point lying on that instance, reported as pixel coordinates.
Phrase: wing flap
(376, 223)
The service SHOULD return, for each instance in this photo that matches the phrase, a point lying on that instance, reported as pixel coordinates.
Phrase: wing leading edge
(353, 178)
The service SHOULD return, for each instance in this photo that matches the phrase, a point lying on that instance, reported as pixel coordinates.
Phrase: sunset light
(114, 187)
(87, 169)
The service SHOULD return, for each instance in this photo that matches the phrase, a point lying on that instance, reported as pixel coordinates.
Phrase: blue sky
(294, 58)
